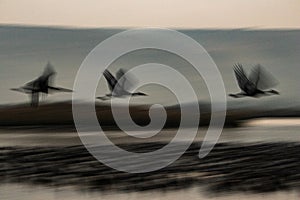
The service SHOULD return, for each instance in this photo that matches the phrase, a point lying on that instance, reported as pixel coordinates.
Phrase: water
(258, 130)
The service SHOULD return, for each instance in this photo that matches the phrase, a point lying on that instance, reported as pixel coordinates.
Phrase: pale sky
(153, 13)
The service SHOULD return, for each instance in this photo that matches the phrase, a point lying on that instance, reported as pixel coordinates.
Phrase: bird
(42, 85)
(119, 85)
(257, 84)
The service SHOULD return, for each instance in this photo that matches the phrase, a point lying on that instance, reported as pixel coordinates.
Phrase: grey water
(252, 131)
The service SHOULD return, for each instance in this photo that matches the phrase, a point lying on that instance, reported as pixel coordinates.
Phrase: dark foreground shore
(260, 167)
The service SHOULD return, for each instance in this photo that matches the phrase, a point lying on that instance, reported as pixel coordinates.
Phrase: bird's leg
(34, 99)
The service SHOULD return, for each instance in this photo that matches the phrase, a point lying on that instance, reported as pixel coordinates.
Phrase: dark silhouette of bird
(257, 84)
(119, 85)
(42, 84)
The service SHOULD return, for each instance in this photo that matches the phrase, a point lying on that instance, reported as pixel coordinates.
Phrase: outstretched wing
(264, 79)
(32, 86)
(42, 81)
(111, 80)
(21, 89)
(59, 89)
(241, 76)
(48, 71)
(255, 74)
(125, 80)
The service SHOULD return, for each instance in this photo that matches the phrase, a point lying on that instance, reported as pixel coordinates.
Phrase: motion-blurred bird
(42, 84)
(120, 85)
(258, 83)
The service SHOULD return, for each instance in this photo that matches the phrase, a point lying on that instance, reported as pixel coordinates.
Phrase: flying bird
(120, 85)
(258, 83)
(42, 85)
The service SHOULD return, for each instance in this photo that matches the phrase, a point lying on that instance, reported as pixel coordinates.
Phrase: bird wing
(32, 85)
(120, 75)
(26, 91)
(264, 79)
(240, 76)
(59, 89)
(111, 80)
(125, 80)
(35, 84)
(255, 75)
(47, 77)
(48, 71)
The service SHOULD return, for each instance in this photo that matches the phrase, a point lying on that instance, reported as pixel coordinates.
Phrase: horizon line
(246, 28)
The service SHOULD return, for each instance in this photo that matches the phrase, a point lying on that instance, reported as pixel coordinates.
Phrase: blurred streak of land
(59, 115)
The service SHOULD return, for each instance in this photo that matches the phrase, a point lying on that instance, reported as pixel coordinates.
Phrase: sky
(66, 48)
(153, 13)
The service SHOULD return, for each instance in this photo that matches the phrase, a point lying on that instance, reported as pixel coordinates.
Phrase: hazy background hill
(59, 115)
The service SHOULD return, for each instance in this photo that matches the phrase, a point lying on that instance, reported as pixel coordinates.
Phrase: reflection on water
(286, 122)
